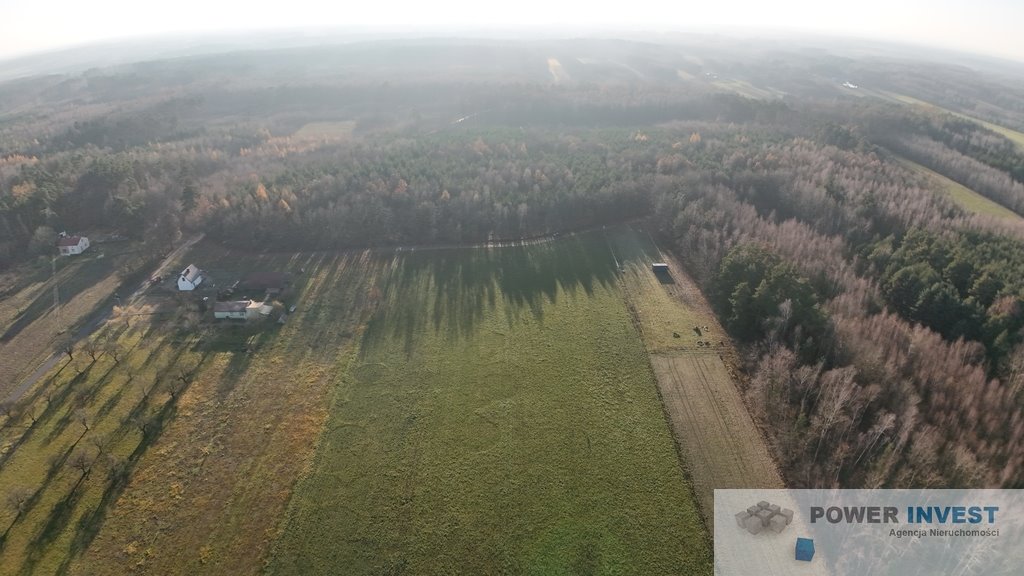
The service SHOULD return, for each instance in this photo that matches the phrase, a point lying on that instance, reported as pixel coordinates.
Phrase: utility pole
(56, 295)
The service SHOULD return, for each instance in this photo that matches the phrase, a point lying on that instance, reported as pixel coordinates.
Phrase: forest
(881, 321)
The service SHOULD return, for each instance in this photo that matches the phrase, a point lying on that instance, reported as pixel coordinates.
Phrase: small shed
(237, 310)
(190, 278)
(659, 268)
(71, 245)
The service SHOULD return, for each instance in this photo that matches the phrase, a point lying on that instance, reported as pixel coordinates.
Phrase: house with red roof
(71, 245)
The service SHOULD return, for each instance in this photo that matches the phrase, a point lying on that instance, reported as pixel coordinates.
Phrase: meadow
(500, 417)
(170, 443)
(967, 199)
(696, 370)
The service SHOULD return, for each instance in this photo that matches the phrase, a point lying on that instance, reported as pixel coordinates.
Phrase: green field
(500, 417)
(1013, 135)
(968, 199)
(325, 130)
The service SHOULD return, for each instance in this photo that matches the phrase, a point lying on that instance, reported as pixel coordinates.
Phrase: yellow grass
(325, 131)
(722, 446)
(558, 73)
(221, 473)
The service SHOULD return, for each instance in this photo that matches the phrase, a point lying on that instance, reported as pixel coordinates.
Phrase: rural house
(659, 268)
(190, 278)
(237, 310)
(71, 245)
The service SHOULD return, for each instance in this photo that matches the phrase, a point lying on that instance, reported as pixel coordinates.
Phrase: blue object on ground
(804, 549)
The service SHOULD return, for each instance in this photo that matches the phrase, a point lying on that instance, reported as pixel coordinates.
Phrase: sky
(988, 27)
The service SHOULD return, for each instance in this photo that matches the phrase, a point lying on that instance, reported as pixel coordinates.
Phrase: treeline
(852, 388)
(440, 190)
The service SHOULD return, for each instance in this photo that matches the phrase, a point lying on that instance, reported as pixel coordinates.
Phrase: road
(98, 318)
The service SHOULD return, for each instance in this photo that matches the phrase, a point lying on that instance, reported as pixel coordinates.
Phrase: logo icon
(804, 549)
(765, 516)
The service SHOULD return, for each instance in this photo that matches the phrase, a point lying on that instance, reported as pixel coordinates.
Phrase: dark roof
(236, 306)
(69, 241)
(265, 280)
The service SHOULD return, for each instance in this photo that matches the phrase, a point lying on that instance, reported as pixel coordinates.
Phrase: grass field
(464, 410)
(30, 324)
(1013, 135)
(501, 417)
(722, 446)
(968, 199)
(558, 73)
(325, 131)
(746, 89)
(210, 493)
(175, 449)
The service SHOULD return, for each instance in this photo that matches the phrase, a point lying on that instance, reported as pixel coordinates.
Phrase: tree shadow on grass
(451, 290)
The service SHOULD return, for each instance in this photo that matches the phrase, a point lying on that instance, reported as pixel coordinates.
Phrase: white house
(190, 278)
(70, 245)
(237, 310)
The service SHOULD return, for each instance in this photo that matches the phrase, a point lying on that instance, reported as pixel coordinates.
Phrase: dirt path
(692, 360)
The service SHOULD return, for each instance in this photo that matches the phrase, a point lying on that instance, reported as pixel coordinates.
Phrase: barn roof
(190, 273)
(235, 306)
(69, 241)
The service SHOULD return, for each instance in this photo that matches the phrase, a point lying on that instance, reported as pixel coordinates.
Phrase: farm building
(71, 245)
(659, 267)
(237, 310)
(270, 282)
(190, 278)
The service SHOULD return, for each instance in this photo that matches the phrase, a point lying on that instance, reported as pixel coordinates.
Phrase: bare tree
(82, 417)
(17, 501)
(114, 350)
(67, 346)
(92, 348)
(102, 444)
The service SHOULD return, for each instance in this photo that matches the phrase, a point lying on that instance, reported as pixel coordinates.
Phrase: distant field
(558, 73)
(962, 195)
(1015, 136)
(500, 417)
(325, 131)
(722, 446)
(744, 88)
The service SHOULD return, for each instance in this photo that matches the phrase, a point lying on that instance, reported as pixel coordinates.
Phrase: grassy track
(501, 417)
(962, 195)
(722, 446)
(1013, 135)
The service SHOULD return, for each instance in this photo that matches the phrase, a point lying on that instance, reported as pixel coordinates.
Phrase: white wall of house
(83, 243)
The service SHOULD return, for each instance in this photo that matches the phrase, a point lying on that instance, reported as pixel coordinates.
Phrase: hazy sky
(983, 26)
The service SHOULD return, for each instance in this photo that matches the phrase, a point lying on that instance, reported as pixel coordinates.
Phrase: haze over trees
(880, 320)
